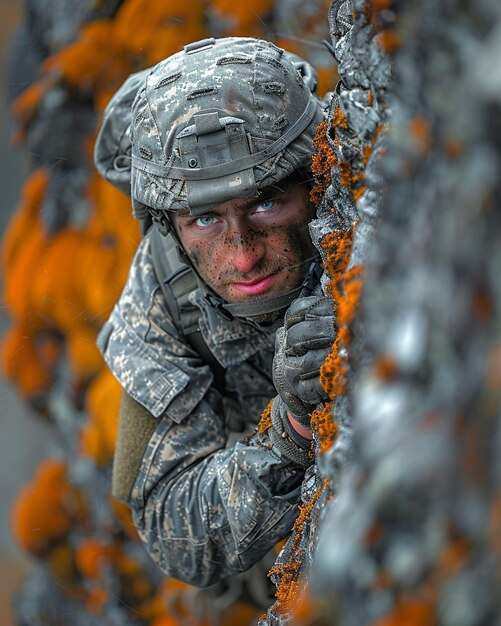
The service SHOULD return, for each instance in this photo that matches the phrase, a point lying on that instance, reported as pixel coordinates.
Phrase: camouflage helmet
(221, 119)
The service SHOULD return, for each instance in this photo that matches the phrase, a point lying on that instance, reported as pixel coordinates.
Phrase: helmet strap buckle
(160, 220)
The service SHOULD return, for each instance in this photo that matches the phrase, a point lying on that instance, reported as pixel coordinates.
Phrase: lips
(257, 286)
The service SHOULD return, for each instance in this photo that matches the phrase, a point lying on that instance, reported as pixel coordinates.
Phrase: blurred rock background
(23, 440)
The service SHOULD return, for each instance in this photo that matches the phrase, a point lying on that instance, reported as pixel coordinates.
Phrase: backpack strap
(177, 281)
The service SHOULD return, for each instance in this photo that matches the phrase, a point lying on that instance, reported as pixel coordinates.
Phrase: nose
(245, 249)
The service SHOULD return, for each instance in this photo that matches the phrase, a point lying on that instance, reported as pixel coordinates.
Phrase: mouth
(257, 286)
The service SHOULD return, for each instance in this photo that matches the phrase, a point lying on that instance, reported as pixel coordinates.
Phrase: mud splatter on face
(252, 253)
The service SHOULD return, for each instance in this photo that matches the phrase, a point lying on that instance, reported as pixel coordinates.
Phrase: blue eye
(265, 206)
(204, 220)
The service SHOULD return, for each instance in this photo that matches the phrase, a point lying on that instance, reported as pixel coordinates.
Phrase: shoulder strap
(177, 282)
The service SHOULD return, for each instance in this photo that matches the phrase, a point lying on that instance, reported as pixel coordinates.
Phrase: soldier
(214, 146)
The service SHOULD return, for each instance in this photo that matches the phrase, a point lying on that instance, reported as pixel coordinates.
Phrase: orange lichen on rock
(482, 304)
(151, 31)
(165, 620)
(454, 148)
(265, 421)
(453, 557)
(345, 173)
(494, 529)
(112, 235)
(289, 586)
(323, 160)
(25, 106)
(240, 613)
(411, 611)
(46, 510)
(380, 5)
(337, 246)
(23, 245)
(54, 293)
(64, 283)
(339, 120)
(85, 360)
(123, 515)
(171, 601)
(141, 34)
(359, 192)
(335, 369)
(345, 288)
(348, 296)
(26, 215)
(28, 357)
(92, 556)
(102, 402)
(389, 40)
(324, 425)
(137, 586)
(96, 62)
(420, 132)
(288, 590)
(385, 368)
(60, 561)
(243, 19)
(96, 599)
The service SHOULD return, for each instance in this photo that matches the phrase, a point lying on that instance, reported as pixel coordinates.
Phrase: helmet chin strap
(264, 306)
(252, 308)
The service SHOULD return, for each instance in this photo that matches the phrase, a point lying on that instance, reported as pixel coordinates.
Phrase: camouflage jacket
(208, 501)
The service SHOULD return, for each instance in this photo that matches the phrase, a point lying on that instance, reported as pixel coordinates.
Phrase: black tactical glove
(301, 346)
(285, 439)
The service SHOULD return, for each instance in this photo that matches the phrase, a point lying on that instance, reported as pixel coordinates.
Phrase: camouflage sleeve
(205, 510)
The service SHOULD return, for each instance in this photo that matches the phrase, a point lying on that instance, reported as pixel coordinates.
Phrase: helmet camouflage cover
(221, 119)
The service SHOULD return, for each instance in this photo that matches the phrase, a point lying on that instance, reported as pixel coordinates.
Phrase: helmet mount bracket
(211, 141)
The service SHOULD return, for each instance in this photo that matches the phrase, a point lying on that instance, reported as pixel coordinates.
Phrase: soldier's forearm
(205, 511)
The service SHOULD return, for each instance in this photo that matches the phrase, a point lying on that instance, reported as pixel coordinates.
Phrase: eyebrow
(267, 193)
(263, 196)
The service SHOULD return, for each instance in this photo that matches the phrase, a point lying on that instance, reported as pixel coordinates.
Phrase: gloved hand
(301, 346)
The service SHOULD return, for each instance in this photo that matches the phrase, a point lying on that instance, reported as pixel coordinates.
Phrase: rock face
(407, 526)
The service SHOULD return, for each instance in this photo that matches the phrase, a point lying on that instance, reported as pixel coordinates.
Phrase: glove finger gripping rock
(303, 376)
(301, 348)
(308, 307)
(310, 334)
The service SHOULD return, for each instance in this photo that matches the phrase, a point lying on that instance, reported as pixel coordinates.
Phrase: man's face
(250, 249)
